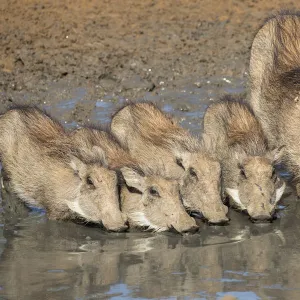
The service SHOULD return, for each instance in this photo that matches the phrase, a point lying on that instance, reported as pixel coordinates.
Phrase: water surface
(42, 259)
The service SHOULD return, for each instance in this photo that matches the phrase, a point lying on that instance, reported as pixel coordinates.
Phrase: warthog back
(275, 85)
(43, 170)
(153, 137)
(149, 200)
(238, 141)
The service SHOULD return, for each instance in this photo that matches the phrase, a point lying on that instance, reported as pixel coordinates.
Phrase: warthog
(238, 141)
(275, 86)
(149, 200)
(44, 171)
(150, 135)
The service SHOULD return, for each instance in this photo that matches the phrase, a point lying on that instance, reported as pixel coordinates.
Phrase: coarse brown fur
(86, 137)
(237, 139)
(43, 170)
(275, 85)
(154, 137)
(237, 124)
(161, 129)
(149, 200)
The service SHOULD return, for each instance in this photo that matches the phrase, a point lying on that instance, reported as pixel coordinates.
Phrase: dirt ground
(125, 47)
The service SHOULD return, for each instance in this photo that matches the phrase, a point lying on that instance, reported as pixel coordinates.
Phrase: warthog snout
(184, 223)
(116, 228)
(192, 229)
(220, 222)
(198, 215)
(216, 215)
(156, 206)
(200, 188)
(261, 218)
(115, 223)
(119, 228)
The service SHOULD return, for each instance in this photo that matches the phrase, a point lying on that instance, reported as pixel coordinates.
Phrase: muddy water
(42, 259)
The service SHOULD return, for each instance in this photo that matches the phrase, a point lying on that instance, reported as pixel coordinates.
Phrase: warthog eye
(153, 192)
(179, 162)
(90, 182)
(243, 174)
(274, 175)
(192, 172)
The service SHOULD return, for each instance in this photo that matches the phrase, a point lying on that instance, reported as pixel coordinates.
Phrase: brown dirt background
(127, 47)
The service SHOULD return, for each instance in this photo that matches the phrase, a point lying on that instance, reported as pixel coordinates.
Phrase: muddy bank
(121, 48)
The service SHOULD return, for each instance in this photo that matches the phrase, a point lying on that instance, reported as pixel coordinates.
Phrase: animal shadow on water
(92, 267)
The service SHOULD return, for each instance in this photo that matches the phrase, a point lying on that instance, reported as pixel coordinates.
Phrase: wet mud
(49, 50)
(80, 60)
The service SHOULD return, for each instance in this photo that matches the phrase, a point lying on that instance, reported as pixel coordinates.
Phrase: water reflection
(58, 260)
(41, 259)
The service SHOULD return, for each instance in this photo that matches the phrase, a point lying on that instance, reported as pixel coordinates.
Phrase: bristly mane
(160, 129)
(287, 42)
(279, 13)
(105, 128)
(242, 127)
(115, 155)
(131, 103)
(239, 98)
(49, 134)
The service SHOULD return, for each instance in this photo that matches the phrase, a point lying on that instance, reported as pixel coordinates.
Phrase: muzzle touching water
(222, 222)
(263, 218)
(260, 218)
(120, 224)
(118, 229)
(199, 215)
(257, 215)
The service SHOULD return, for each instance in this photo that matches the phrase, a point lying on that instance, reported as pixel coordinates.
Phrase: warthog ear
(134, 179)
(179, 162)
(78, 166)
(100, 154)
(276, 154)
(240, 156)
